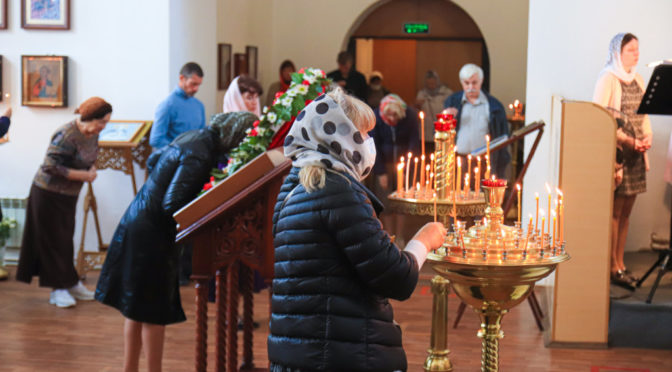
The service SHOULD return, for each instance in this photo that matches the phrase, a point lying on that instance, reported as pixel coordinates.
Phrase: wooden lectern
(230, 228)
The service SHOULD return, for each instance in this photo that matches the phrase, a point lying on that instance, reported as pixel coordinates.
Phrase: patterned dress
(634, 168)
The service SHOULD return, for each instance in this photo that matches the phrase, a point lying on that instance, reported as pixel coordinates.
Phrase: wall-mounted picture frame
(239, 64)
(45, 14)
(252, 57)
(3, 14)
(44, 81)
(2, 94)
(223, 66)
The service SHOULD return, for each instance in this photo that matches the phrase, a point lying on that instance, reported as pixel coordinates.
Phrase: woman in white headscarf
(243, 95)
(621, 88)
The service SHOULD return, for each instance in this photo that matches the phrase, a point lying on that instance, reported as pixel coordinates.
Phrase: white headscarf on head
(614, 64)
(233, 100)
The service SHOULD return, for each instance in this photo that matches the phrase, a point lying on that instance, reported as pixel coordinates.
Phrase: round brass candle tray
(493, 267)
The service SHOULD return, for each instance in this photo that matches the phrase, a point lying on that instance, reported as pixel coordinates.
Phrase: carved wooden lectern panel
(229, 243)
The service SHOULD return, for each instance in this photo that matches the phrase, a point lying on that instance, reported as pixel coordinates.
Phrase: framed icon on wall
(3, 14)
(252, 56)
(223, 66)
(44, 81)
(45, 14)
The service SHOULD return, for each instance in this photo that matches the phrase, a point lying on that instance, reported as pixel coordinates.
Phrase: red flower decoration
(302, 70)
(306, 82)
(255, 124)
(494, 183)
(207, 186)
(253, 132)
(308, 101)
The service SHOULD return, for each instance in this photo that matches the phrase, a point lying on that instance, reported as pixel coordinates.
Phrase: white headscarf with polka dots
(324, 136)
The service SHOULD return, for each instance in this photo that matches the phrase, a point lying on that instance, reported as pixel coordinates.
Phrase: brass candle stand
(493, 267)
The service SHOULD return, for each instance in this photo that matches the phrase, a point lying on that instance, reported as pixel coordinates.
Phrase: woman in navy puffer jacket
(335, 266)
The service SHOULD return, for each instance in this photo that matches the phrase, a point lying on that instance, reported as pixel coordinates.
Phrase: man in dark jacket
(351, 80)
(478, 114)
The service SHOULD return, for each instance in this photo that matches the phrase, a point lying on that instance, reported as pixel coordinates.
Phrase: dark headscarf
(231, 127)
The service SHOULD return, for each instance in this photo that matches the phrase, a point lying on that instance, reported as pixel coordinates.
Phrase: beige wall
(311, 33)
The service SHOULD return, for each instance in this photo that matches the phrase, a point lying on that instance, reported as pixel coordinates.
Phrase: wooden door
(446, 57)
(396, 60)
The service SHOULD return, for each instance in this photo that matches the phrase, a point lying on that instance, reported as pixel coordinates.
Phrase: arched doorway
(379, 42)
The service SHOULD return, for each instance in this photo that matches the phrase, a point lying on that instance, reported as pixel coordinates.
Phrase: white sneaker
(61, 298)
(80, 292)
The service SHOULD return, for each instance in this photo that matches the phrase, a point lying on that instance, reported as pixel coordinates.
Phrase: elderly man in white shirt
(478, 114)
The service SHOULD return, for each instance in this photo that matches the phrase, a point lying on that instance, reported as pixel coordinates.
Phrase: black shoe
(620, 279)
(630, 276)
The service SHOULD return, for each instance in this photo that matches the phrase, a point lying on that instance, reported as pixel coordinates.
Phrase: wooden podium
(580, 311)
(230, 228)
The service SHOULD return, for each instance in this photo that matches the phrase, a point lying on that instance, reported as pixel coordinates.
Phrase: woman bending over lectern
(620, 87)
(140, 277)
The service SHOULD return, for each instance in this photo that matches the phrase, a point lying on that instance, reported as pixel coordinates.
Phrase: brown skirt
(47, 249)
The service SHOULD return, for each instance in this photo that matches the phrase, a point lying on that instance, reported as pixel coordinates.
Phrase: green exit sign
(416, 28)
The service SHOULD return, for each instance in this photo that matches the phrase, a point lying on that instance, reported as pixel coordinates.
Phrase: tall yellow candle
(400, 178)
(422, 167)
(478, 162)
(536, 218)
(487, 147)
(560, 216)
(487, 172)
(408, 167)
(529, 226)
(422, 136)
(415, 170)
(555, 236)
(466, 185)
(469, 165)
(477, 180)
(518, 187)
(458, 179)
(548, 188)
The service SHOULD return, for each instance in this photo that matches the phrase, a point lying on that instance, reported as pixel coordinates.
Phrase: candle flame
(445, 111)
(478, 158)
(427, 167)
(518, 186)
(511, 106)
(400, 166)
(417, 185)
(416, 159)
(476, 170)
(487, 138)
(402, 159)
(469, 157)
(493, 176)
(431, 156)
(536, 195)
(459, 162)
(516, 103)
(6, 95)
(410, 154)
(422, 157)
(422, 115)
(553, 213)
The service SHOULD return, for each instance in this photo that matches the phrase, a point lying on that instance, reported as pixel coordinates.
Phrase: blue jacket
(497, 123)
(335, 267)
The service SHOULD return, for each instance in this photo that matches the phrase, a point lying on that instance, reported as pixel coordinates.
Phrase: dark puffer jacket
(139, 276)
(335, 267)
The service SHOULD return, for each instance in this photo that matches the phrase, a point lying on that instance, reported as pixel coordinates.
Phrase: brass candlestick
(493, 267)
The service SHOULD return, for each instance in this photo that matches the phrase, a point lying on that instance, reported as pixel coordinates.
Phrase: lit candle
(400, 178)
(422, 136)
(548, 188)
(554, 233)
(536, 218)
(417, 186)
(458, 179)
(431, 181)
(518, 187)
(427, 168)
(469, 165)
(487, 172)
(415, 170)
(487, 148)
(422, 165)
(478, 162)
(543, 223)
(561, 216)
(466, 185)
(408, 167)
(477, 180)
(529, 226)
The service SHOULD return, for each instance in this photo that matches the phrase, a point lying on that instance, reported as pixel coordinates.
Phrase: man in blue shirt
(478, 114)
(181, 111)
